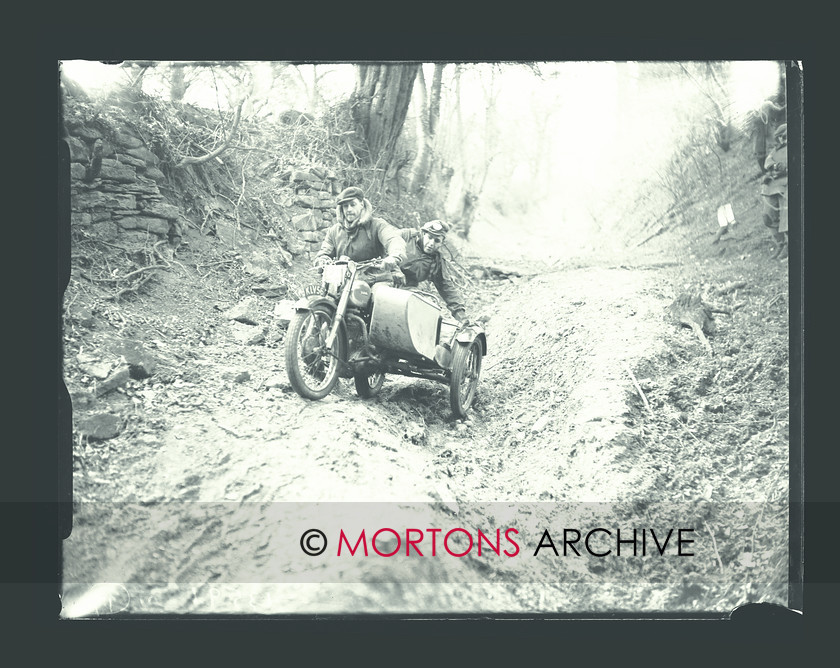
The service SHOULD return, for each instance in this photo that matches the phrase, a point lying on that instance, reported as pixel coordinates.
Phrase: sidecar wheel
(368, 386)
(466, 368)
(312, 368)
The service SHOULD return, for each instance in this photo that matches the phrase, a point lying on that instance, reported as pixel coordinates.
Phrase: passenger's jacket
(372, 238)
(419, 266)
(775, 187)
(777, 171)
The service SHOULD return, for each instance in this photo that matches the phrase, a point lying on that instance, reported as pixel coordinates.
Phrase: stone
(298, 175)
(247, 311)
(97, 199)
(95, 368)
(119, 213)
(106, 230)
(141, 363)
(78, 150)
(125, 159)
(100, 426)
(307, 221)
(160, 210)
(316, 185)
(273, 291)
(283, 311)
(140, 238)
(307, 201)
(312, 237)
(127, 140)
(117, 379)
(77, 171)
(296, 246)
(81, 399)
(118, 172)
(247, 334)
(80, 315)
(141, 187)
(144, 154)
(80, 219)
(155, 225)
(276, 381)
(155, 174)
(103, 216)
(88, 134)
(108, 150)
(242, 377)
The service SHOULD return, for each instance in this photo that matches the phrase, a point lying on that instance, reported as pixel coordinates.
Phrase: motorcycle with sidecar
(356, 324)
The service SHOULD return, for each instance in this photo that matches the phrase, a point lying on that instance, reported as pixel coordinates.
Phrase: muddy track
(547, 426)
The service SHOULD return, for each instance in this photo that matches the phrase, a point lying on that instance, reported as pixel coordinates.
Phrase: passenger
(774, 192)
(357, 234)
(764, 122)
(425, 262)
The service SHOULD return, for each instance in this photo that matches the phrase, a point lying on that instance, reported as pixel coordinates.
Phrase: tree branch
(117, 279)
(704, 91)
(218, 151)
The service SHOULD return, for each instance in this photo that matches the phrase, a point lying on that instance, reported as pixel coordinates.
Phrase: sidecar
(409, 336)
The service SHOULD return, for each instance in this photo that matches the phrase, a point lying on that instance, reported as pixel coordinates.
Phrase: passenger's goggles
(435, 228)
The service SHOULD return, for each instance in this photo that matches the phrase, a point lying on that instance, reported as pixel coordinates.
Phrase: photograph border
(46, 509)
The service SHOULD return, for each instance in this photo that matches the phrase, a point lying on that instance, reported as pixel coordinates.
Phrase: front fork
(341, 308)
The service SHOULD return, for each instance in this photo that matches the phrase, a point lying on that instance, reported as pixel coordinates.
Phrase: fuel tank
(404, 321)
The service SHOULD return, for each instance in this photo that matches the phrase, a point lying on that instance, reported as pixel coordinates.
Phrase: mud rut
(184, 518)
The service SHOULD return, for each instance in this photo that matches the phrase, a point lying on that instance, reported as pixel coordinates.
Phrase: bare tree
(712, 80)
(428, 115)
(380, 104)
(479, 132)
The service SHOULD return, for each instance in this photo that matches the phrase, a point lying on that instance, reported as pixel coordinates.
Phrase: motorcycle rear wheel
(466, 368)
(312, 368)
(368, 385)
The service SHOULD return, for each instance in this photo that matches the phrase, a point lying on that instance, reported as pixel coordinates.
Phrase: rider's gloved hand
(320, 261)
(390, 263)
(461, 316)
(398, 277)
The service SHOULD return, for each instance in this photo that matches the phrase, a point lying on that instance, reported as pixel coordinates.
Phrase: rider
(774, 192)
(425, 262)
(359, 235)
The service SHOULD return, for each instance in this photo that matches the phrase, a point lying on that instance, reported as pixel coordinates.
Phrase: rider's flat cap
(351, 193)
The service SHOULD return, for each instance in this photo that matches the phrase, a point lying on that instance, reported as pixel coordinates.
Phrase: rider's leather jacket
(420, 266)
(372, 238)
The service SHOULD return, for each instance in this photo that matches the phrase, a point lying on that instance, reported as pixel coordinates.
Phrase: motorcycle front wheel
(466, 368)
(368, 385)
(311, 366)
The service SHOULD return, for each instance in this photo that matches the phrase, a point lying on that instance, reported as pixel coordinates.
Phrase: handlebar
(375, 262)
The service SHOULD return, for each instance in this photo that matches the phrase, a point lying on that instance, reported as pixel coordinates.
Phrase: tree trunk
(434, 98)
(177, 84)
(381, 99)
(422, 161)
(427, 120)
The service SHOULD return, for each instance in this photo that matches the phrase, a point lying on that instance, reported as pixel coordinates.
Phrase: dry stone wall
(115, 192)
(313, 205)
(114, 187)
